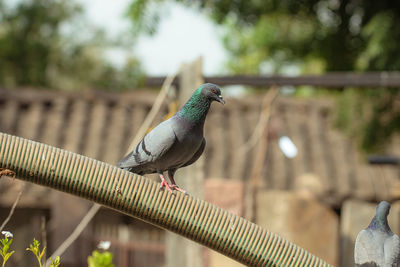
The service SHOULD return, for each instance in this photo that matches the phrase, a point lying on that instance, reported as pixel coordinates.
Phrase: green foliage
(98, 259)
(4, 247)
(381, 34)
(5, 244)
(273, 42)
(343, 35)
(48, 43)
(384, 121)
(371, 117)
(35, 248)
(146, 18)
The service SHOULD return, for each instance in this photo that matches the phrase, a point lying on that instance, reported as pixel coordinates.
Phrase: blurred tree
(363, 33)
(47, 43)
(313, 36)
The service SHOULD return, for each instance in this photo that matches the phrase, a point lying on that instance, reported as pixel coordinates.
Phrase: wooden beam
(327, 80)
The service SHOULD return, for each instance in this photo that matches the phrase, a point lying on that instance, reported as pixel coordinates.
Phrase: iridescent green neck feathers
(196, 108)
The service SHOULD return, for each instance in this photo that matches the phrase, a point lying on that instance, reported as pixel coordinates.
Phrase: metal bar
(381, 160)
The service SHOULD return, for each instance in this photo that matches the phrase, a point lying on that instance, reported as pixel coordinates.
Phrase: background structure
(319, 199)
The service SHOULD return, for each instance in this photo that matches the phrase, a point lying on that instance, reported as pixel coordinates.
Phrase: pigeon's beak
(220, 99)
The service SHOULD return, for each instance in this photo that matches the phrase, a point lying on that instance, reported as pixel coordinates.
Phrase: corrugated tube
(141, 198)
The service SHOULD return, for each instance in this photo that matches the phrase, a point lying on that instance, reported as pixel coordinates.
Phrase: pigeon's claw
(170, 187)
(177, 188)
(165, 184)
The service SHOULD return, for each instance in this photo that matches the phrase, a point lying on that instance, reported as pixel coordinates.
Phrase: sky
(183, 35)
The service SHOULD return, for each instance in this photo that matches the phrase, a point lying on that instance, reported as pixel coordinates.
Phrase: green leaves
(36, 49)
(98, 259)
(8, 255)
(56, 262)
(145, 15)
(5, 244)
(35, 248)
(381, 50)
(4, 247)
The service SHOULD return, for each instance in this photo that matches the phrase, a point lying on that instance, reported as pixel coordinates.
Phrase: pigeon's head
(380, 219)
(382, 211)
(212, 92)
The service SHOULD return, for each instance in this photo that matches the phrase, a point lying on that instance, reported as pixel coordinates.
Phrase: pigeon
(176, 142)
(378, 245)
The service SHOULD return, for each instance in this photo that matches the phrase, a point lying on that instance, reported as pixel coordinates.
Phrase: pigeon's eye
(213, 90)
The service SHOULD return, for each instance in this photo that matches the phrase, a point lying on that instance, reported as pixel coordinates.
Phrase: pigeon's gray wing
(392, 251)
(154, 145)
(198, 153)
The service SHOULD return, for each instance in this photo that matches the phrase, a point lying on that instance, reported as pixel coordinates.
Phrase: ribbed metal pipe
(141, 198)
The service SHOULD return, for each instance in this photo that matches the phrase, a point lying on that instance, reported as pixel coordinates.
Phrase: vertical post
(181, 252)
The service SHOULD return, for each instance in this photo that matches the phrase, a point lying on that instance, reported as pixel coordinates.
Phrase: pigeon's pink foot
(177, 188)
(173, 183)
(165, 184)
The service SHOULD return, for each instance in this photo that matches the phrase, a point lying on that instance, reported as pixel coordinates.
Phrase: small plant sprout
(5, 245)
(35, 248)
(55, 263)
(7, 234)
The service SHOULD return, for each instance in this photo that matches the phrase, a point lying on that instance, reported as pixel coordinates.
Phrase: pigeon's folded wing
(155, 144)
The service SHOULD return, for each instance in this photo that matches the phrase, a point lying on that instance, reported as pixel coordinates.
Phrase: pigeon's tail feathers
(140, 169)
(127, 169)
(127, 162)
(134, 170)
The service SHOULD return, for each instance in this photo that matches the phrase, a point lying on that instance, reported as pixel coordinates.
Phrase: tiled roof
(102, 125)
